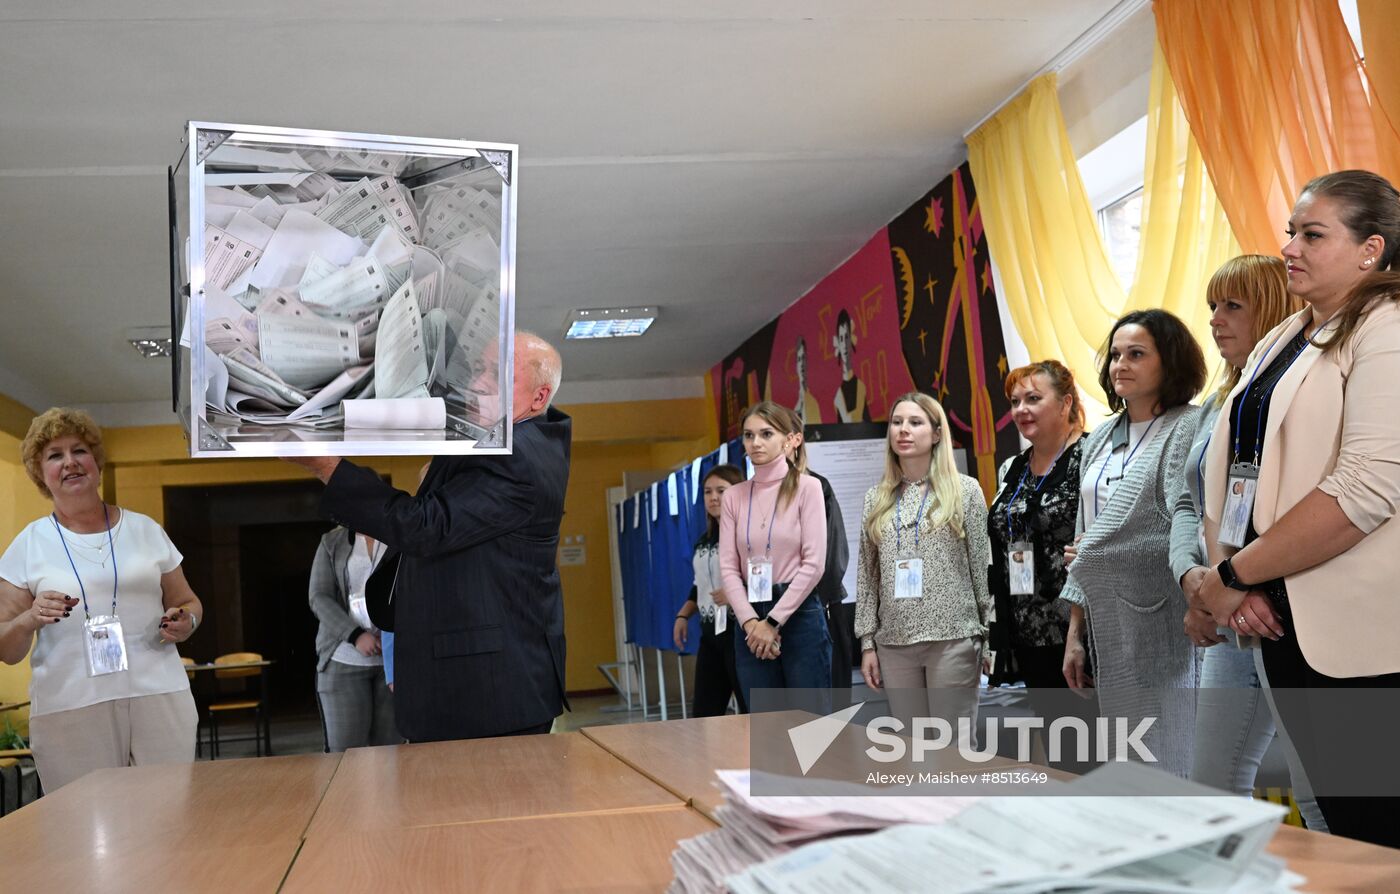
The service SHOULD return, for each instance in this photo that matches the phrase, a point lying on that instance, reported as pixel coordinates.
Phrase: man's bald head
(538, 371)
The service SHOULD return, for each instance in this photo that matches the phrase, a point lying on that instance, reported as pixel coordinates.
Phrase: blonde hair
(785, 422)
(946, 505)
(1261, 282)
(58, 422)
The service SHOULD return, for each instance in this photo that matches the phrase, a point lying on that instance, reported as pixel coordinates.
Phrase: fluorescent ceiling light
(610, 322)
(151, 341)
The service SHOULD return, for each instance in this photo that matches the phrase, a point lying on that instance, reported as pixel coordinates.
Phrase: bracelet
(682, 617)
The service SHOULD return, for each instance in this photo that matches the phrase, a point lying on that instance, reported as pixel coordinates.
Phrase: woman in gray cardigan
(1120, 583)
(357, 708)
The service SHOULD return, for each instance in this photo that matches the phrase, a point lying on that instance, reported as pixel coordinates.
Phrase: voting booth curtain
(657, 531)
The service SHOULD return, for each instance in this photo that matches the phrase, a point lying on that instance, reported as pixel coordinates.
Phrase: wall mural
(915, 308)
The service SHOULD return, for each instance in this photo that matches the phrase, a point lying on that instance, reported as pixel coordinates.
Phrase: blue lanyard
(748, 523)
(1123, 466)
(1264, 398)
(53, 516)
(918, 520)
(1010, 533)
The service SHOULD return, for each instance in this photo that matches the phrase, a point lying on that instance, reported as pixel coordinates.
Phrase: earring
(1369, 261)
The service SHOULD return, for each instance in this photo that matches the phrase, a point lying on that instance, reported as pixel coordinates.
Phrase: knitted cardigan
(1144, 665)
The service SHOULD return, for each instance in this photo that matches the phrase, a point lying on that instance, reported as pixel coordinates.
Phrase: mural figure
(850, 396)
(808, 408)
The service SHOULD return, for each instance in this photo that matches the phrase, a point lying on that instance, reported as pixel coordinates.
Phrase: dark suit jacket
(477, 612)
(830, 588)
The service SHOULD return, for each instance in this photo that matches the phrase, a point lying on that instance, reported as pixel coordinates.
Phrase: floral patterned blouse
(1042, 511)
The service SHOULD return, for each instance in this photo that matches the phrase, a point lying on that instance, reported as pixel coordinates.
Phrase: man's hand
(320, 466)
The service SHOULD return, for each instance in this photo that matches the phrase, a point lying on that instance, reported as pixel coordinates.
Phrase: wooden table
(230, 826)
(681, 756)
(613, 852)
(437, 783)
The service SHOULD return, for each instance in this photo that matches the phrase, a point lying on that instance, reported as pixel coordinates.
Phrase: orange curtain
(1380, 37)
(1274, 93)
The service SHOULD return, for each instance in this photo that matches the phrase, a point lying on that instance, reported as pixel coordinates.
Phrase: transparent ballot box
(341, 293)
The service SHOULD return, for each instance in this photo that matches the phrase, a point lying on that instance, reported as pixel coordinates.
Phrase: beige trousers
(933, 679)
(123, 732)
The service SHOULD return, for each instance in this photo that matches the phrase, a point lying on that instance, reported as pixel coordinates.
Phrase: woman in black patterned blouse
(1030, 523)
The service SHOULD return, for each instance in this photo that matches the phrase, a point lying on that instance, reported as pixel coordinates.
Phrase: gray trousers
(357, 708)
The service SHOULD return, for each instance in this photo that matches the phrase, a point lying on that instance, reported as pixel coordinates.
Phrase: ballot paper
(396, 413)
(363, 283)
(296, 238)
(401, 367)
(369, 206)
(332, 394)
(247, 371)
(226, 257)
(1135, 839)
(307, 352)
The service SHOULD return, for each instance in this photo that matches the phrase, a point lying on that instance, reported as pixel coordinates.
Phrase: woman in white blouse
(922, 601)
(99, 593)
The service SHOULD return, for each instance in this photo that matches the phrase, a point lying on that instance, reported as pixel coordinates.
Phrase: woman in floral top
(1035, 509)
(921, 589)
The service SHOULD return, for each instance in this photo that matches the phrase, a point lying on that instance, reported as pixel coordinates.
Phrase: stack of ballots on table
(318, 289)
(1122, 828)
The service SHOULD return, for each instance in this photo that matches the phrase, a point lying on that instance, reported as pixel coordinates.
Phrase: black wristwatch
(773, 622)
(1229, 578)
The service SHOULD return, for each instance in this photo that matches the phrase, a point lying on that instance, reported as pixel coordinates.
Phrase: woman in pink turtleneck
(772, 545)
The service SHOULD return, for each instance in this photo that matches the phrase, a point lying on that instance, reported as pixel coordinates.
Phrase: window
(1121, 224)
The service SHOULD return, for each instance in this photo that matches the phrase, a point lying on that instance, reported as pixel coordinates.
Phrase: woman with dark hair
(1312, 432)
(1120, 586)
(772, 548)
(1032, 519)
(1248, 297)
(716, 678)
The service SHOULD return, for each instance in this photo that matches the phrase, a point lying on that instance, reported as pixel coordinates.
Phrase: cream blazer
(1333, 424)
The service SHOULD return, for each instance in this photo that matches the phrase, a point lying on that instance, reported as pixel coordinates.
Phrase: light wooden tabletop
(433, 783)
(1337, 865)
(225, 826)
(613, 852)
(681, 755)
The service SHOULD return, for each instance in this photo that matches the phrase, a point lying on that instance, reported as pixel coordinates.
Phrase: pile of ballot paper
(320, 290)
(1124, 827)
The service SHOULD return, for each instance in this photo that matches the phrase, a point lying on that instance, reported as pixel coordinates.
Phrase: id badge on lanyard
(1239, 503)
(106, 647)
(721, 620)
(908, 578)
(359, 612)
(1020, 567)
(760, 580)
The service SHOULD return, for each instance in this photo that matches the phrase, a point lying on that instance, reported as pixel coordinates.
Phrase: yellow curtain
(1274, 93)
(1056, 278)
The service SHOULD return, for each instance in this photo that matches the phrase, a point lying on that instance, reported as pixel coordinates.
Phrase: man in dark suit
(474, 602)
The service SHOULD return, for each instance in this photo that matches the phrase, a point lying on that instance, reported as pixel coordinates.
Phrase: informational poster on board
(853, 465)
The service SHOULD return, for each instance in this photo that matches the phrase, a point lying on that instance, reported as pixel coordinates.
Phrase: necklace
(915, 482)
(98, 552)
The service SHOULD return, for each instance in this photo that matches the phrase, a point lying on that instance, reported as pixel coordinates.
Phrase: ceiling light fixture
(150, 341)
(610, 322)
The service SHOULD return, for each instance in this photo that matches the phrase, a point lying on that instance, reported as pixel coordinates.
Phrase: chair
(10, 757)
(262, 727)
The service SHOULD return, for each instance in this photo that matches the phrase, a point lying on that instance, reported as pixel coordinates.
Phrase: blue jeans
(1233, 731)
(803, 663)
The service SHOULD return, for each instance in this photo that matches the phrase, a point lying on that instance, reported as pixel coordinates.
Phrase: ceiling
(716, 159)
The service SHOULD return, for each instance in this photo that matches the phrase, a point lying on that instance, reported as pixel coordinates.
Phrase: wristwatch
(1229, 578)
(773, 622)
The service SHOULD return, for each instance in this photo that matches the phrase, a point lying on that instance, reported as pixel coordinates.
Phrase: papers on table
(1079, 838)
(318, 290)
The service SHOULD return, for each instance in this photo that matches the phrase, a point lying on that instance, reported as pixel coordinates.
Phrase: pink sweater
(799, 539)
